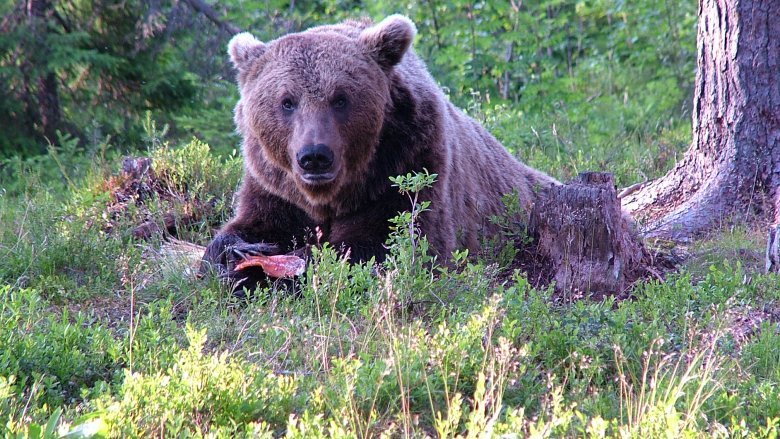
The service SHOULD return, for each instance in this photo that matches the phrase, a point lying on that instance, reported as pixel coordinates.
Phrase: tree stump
(589, 243)
(136, 168)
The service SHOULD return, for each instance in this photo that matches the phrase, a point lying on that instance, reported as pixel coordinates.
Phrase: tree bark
(773, 249)
(732, 168)
(589, 245)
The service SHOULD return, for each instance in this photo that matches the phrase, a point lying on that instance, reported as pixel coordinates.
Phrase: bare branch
(205, 9)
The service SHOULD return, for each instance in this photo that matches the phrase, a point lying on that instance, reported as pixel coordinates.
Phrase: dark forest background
(592, 84)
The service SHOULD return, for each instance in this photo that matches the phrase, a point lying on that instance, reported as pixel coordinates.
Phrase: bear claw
(243, 250)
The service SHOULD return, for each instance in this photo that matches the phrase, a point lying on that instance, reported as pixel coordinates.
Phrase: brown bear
(327, 116)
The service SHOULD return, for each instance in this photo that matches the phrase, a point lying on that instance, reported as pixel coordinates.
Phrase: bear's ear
(244, 48)
(388, 40)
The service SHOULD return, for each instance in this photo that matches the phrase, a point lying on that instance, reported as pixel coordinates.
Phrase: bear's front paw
(227, 250)
(240, 250)
(216, 254)
(249, 278)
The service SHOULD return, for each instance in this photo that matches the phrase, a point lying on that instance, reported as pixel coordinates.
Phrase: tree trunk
(49, 106)
(773, 249)
(48, 101)
(589, 246)
(732, 168)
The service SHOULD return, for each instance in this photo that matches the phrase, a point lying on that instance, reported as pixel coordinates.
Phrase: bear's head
(313, 103)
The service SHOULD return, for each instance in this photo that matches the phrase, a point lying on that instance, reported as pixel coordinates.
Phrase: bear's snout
(316, 161)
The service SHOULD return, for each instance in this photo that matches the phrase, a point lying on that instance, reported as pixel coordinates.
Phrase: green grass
(99, 338)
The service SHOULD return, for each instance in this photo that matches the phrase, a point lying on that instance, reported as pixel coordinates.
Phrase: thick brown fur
(359, 89)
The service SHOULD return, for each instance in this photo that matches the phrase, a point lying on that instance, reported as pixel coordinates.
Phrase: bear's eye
(340, 102)
(288, 105)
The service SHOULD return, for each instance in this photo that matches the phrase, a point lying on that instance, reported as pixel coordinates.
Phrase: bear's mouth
(318, 179)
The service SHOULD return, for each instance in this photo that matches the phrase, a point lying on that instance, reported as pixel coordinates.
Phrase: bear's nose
(316, 159)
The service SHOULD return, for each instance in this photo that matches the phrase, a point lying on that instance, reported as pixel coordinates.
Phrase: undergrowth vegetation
(102, 337)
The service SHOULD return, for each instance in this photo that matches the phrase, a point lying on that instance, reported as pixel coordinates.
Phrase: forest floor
(104, 333)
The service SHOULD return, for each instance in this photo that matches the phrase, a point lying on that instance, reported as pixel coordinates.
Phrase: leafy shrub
(199, 394)
(51, 355)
